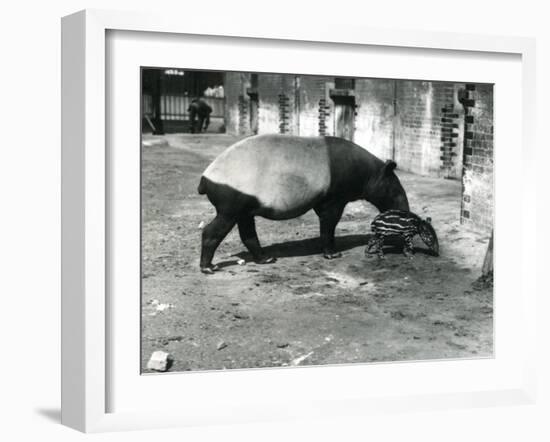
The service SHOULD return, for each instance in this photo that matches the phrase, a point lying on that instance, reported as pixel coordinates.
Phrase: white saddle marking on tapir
(283, 172)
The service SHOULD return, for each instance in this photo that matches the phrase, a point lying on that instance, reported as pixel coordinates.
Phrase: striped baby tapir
(403, 224)
(280, 177)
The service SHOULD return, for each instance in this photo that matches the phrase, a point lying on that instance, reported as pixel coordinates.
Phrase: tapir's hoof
(332, 255)
(266, 260)
(209, 270)
(370, 250)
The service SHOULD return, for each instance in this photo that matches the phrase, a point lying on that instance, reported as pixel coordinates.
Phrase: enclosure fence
(174, 107)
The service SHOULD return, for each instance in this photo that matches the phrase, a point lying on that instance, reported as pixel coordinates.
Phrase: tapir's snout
(397, 201)
(401, 202)
(435, 248)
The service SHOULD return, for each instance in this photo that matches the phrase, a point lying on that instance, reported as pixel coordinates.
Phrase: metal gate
(174, 107)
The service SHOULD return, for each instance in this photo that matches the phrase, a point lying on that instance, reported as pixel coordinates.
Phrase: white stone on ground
(159, 361)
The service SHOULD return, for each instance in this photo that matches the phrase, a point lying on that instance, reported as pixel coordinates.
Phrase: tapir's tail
(202, 186)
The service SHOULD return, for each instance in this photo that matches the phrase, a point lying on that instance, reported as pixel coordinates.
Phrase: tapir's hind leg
(249, 237)
(329, 215)
(212, 236)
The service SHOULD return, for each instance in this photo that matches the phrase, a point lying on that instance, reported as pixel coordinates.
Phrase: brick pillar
(449, 134)
(477, 179)
(324, 113)
(243, 115)
(467, 100)
(284, 114)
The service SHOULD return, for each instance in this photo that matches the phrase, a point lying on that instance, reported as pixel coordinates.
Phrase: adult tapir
(281, 177)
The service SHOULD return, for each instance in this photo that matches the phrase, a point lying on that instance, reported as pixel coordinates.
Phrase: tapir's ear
(389, 166)
(429, 220)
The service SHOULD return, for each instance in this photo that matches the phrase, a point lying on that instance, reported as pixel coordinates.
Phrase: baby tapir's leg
(408, 249)
(372, 245)
(375, 245)
(380, 245)
(212, 235)
(249, 237)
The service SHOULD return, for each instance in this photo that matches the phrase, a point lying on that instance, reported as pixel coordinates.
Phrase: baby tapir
(404, 224)
(281, 177)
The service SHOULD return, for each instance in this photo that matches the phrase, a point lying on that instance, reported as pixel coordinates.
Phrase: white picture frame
(85, 234)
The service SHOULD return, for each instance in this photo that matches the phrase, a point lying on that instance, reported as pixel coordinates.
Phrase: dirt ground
(303, 309)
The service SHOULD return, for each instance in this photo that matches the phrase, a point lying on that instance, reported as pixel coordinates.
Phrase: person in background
(199, 112)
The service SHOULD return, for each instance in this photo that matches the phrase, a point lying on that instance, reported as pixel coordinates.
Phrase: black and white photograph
(296, 220)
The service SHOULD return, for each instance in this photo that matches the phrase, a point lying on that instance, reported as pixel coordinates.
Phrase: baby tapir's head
(428, 235)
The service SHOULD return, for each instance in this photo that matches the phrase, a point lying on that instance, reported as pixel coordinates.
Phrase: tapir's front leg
(329, 214)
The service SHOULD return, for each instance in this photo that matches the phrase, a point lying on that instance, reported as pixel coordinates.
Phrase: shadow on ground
(310, 246)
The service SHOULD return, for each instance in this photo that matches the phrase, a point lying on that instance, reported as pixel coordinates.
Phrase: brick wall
(287, 104)
(477, 180)
(325, 110)
(312, 104)
(375, 115)
(427, 122)
(277, 101)
(420, 124)
(430, 128)
(452, 133)
(237, 103)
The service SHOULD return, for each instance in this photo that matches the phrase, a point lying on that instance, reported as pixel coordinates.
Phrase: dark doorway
(343, 96)
(254, 103)
(344, 119)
